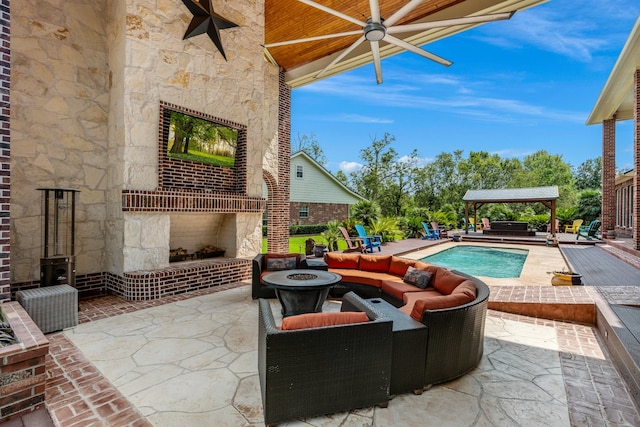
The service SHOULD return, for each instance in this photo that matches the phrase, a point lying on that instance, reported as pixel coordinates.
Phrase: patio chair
(321, 370)
(370, 242)
(440, 232)
(575, 227)
(486, 224)
(429, 234)
(471, 226)
(354, 244)
(557, 226)
(589, 231)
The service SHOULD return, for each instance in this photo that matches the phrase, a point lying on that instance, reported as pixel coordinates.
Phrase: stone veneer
(22, 365)
(92, 82)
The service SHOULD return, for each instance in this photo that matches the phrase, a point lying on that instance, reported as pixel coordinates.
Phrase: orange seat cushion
(410, 298)
(467, 288)
(363, 277)
(446, 281)
(438, 303)
(379, 263)
(341, 260)
(397, 288)
(318, 320)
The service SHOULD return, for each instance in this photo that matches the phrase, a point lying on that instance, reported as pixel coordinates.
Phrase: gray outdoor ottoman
(52, 308)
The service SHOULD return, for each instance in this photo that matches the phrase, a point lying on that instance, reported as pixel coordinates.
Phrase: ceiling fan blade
(310, 39)
(466, 20)
(332, 12)
(417, 50)
(340, 57)
(375, 51)
(402, 12)
(375, 10)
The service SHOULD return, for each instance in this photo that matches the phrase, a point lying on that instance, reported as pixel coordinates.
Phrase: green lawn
(297, 243)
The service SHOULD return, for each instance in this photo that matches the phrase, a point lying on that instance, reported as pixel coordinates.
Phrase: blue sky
(515, 87)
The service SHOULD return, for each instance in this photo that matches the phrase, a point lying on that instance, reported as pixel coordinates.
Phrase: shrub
(365, 212)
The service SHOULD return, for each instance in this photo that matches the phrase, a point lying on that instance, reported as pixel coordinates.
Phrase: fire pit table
(301, 291)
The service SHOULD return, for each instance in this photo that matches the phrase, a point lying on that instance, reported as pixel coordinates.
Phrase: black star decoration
(205, 19)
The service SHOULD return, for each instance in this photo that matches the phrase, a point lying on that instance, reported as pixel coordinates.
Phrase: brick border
(5, 150)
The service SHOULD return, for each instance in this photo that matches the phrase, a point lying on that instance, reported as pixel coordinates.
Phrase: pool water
(481, 260)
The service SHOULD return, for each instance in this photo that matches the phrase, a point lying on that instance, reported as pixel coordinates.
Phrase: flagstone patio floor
(191, 360)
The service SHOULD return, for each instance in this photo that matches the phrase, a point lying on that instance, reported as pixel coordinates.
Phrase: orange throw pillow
(340, 260)
(318, 320)
(398, 266)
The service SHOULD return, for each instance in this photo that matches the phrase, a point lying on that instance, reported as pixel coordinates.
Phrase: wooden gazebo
(545, 195)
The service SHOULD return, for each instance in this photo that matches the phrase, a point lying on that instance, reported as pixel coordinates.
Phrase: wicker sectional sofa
(454, 318)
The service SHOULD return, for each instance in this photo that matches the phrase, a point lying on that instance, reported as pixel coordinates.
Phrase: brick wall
(319, 213)
(5, 150)
(636, 159)
(608, 174)
(278, 205)
(22, 366)
(183, 174)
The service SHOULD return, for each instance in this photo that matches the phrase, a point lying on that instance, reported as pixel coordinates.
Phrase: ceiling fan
(376, 29)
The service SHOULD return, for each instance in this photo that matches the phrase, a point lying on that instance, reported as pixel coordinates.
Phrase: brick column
(609, 174)
(278, 223)
(5, 150)
(636, 159)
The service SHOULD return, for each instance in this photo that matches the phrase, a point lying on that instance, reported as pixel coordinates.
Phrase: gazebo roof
(512, 195)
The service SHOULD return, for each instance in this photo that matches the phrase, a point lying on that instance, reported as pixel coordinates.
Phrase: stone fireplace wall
(90, 81)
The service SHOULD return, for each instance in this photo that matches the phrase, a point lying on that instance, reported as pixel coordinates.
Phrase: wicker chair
(259, 289)
(317, 371)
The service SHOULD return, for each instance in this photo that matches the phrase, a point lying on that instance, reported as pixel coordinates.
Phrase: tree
(589, 205)
(378, 159)
(310, 146)
(542, 169)
(589, 174)
(342, 177)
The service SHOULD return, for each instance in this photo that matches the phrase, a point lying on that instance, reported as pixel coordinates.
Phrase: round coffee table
(301, 291)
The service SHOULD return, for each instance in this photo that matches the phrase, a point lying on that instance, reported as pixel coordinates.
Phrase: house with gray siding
(315, 195)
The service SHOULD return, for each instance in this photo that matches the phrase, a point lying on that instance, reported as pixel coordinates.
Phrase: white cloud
(358, 118)
(576, 32)
(348, 167)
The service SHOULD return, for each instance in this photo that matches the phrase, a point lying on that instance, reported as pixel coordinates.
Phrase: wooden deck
(598, 267)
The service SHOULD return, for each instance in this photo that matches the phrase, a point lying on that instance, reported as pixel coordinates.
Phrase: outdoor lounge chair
(370, 242)
(441, 232)
(354, 244)
(321, 370)
(429, 234)
(575, 227)
(471, 226)
(589, 231)
(486, 224)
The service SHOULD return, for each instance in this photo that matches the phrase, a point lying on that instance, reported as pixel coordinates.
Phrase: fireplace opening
(198, 236)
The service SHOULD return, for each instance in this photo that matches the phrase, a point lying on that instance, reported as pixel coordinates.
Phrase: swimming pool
(482, 260)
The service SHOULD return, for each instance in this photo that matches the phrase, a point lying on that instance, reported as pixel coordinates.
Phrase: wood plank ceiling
(291, 20)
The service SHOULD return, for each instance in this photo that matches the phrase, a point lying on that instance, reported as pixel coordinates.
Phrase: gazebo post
(466, 217)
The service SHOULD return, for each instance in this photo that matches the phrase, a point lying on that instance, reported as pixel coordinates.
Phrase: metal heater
(58, 263)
